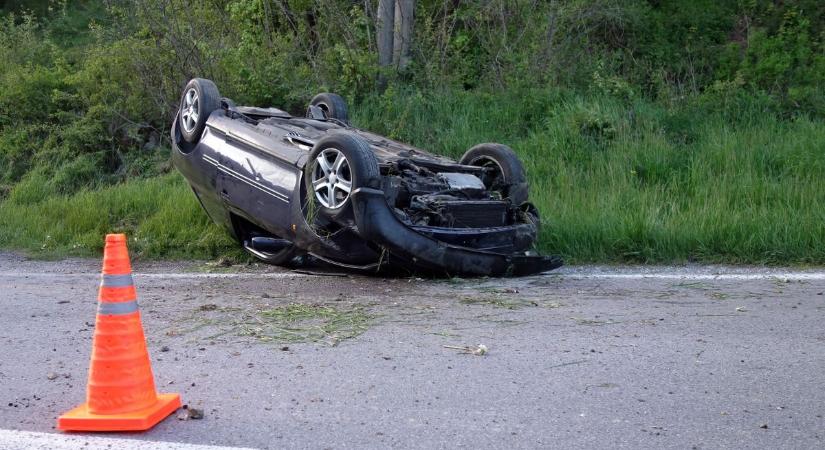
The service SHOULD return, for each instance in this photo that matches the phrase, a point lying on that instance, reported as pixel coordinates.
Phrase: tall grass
(618, 180)
(160, 215)
(615, 180)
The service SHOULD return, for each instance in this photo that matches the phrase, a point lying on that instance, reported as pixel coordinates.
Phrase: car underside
(294, 189)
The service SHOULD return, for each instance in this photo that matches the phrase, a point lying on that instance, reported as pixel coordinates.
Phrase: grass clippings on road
(498, 302)
(292, 323)
(506, 298)
(307, 323)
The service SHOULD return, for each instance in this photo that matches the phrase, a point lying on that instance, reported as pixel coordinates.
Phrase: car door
(252, 179)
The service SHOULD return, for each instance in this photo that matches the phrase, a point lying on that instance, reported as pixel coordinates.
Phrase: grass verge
(160, 216)
(616, 180)
(709, 180)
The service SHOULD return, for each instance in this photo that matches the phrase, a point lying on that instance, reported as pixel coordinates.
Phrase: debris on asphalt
(764, 426)
(740, 309)
(478, 350)
(223, 262)
(290, 323)
(190, 413)
(570, 363)
(51, 376)
(498, 301)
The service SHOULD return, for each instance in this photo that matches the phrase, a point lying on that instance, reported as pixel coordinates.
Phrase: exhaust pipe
(268, 244)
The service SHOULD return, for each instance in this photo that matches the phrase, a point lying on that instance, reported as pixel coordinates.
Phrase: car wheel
(339, 164)
(505, 173)
(200, 97)
(333, 105)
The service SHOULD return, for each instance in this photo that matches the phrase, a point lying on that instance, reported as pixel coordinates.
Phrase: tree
(394, 35)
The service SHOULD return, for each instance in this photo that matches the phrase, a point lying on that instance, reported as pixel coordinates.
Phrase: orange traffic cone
(121, 391)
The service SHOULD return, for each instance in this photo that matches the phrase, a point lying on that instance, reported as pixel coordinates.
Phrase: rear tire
(200, 97)
(333, 105)
(506, 174)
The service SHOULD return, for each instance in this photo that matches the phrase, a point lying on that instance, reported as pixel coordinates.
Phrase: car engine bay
(424, 197)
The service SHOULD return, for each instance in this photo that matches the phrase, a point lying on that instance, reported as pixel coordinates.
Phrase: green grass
(707, 180)
(160, 215)
(620, 181)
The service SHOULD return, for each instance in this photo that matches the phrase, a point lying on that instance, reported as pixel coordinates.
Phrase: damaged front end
(443, 218)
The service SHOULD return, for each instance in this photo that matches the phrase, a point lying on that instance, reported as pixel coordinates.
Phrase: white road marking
(793, 276)
(575, 274)
(29, 440)
(223, 275)
(162, 276)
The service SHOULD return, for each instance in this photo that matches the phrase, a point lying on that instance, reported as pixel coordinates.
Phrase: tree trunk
(402, 33)
(384, 37)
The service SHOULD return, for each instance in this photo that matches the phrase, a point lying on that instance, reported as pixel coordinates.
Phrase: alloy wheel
(332, 178)
(189, 110)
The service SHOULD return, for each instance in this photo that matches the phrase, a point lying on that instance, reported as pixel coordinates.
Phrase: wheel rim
(331, 178)
(189, 110)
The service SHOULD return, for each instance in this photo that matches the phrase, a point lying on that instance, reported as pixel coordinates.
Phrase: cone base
(80, 419)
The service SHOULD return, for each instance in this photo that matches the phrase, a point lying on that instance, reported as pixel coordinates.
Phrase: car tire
(200, 97)
(333, 105)
(507, 175)
(330, 180)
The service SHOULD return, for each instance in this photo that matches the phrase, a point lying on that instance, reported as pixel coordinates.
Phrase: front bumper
(378, 224)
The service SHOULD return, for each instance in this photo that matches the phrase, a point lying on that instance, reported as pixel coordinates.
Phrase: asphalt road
(695, 357)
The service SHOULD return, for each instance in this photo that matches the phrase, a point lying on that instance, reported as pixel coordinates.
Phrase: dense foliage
(654, 129)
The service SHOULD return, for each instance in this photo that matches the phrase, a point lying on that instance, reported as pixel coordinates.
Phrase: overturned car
(288, 188)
